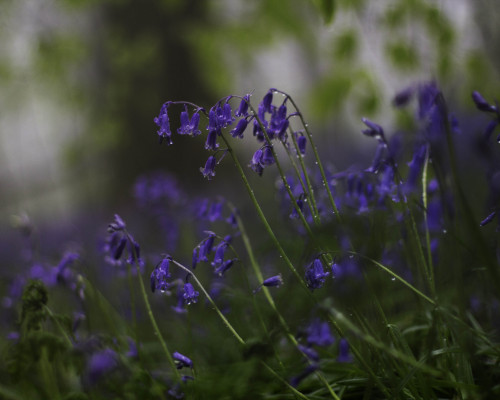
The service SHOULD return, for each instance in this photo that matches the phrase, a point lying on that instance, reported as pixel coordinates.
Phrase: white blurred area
(36, 123)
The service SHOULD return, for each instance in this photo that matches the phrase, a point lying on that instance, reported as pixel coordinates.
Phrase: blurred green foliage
(118, 61)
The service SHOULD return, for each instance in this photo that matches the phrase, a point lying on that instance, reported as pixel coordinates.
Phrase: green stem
(151, 315)
(219, 312)
(262, 217)
(310, 191)
(316, 156)
(396, 276)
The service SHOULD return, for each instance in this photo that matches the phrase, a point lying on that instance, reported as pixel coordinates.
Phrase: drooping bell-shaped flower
(160, 275)
(315, 275)
(242, 110)
(163, 123)
(190, 295)
(209, 170)
(182, 361)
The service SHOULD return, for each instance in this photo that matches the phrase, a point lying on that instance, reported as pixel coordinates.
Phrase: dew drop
(393, 279)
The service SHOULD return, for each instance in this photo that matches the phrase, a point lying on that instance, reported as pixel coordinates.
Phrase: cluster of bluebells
(120, 242)
(159, 196)
(270, 122)
(160, 280)
(318, 335)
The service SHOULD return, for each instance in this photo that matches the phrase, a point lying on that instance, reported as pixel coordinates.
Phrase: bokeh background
(81, 81)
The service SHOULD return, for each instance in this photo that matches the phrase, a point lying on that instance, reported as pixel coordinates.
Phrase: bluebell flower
(206, 246)
(315, 275)
(164, 124)
(209, 170)
(224, 267)
(242, 110)
(117, 225)
(278, 123)
(215, 211)
(344, 354)
(488, 219)
(481, 103)
(403, 97)
(180, 307)
(182, 360)
(267, 156)
(211, 143)
(100, 364)
(213, 122)
(273, 281)
(416, 166)
(319, 334)
(220, 251)
(189, 127)
(301, 143)
(267, 101)
(190, 295)
(160, 275)
(373, 130)
(256, 162)
(239, 129)
(309, 352)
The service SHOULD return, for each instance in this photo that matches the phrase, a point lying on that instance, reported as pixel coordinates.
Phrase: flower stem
(219, 312)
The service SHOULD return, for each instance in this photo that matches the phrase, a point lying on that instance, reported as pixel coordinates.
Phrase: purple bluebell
(319, 334)
(206, 246)
(242, 110)
(344, 354)
(220, 251)
(278, 123)
(256, 162)
(309, 352)
(257, 129)
(239, 129)
(189, 127)
(300, 205)
(374, 130)
(160, 275)
(100, 364)
(211, 143)
(228, 118)
(182, 361)
(267, 101)
(164, 124)
(213, 121)
(62, 267)
(215, 211)
(273, 281)
(415, 168)
(301, 144)
(117, 225)
(488, 219)
(267, 155)
(209, 170)
(481, 103)
(403, 97)
(180, 307)
(223, 267)
(190, 295)
(315, 275)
